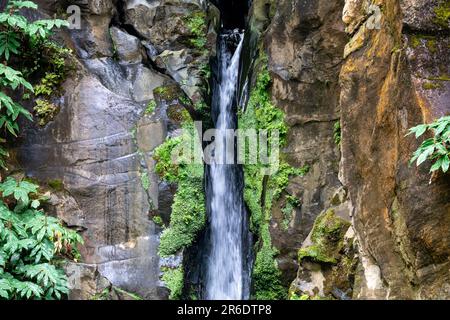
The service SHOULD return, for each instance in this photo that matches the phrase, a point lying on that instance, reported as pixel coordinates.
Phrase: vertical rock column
(402, 221)
(304, 44)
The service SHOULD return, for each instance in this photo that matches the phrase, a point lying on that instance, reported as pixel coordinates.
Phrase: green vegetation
(442, 12)
(45, 110)
(295, 296)
(32, 245)
(280, 180)
(57, 69)
(437, 148)
(165, 167)
(56, 184)
(266, 275)
(104, 295)
(174, 280)
(196, 23)
(415, 41)
(175, 165)
(132, 295)
(168, 93)
(432, 45)
(429, 41)
(444, 77)
(337, 132)
(187, 219)
(178, 114)
(151, 107)
(145, 180)
(17, 38)
(327, 237)
(158, 220)
(109, 293)
(185, 100)
(332, 253)
(261, 114)
(315, 253)
(291, 203)
(431, 86)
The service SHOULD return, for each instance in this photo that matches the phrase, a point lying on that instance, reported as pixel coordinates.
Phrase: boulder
(127, 47)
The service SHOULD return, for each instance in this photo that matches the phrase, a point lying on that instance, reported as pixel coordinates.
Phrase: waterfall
(227, 275)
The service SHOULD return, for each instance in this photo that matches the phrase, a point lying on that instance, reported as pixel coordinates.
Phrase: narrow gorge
(347, 91)
(226, 277)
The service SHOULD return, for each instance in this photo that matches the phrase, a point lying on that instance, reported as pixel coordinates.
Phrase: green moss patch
(145, 180)
(291, 204)
(261, 189)
(151, 107)
(198, 27)
(429, 41)
(174, 165)
(113, 293)
(444, 77)
(316, 253)
(266, 275)
(327, 237)
(178, 113)
(431, 85)
(442, 12)
(167, 93)
(187, 219)
(56, 184)
(45, 111)
(174, 280)
(158, 220)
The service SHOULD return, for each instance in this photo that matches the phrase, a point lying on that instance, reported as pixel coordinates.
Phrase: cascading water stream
(227, 276)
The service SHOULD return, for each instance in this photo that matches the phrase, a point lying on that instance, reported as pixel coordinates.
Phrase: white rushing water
(226, 276)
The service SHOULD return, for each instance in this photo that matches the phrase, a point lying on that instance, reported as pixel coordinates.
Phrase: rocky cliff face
(304, 43)
(402, 221)
(391, 59)
(351, 77)
(96, 156)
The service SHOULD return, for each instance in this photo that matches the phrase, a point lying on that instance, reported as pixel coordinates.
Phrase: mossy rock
(56, 184)
(329, 227)
(151, 107)
(197, 25)
(45, 111)
(443, 77)
(442, 12)
(431, 85)
(167, 93)
(188, 216)
(178, 114)
(174, 280)
(327, 237)
(115, 293)
(430, 42)
(315, 253)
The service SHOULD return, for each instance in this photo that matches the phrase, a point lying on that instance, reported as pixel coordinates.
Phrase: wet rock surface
(401, 220)
(100, 145)
(393, 74)
(304, 43)
(379, 70)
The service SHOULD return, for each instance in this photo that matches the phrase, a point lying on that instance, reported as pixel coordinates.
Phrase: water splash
(226, 274)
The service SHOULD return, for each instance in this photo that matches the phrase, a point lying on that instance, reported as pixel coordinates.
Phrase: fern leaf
(5, 288)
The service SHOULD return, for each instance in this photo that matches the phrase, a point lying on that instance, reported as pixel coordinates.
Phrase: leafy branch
(31, 244)
(437, 148)
(15, 32)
